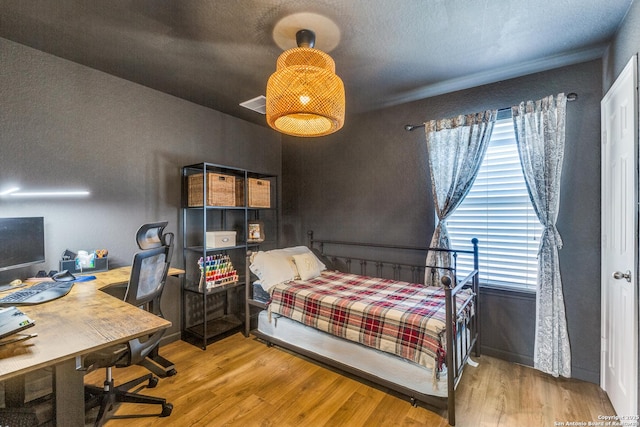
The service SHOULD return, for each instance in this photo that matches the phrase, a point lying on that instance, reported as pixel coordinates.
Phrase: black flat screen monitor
(21, 242)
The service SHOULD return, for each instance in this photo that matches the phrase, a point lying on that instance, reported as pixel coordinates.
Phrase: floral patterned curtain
(456, 147)
(540, 135)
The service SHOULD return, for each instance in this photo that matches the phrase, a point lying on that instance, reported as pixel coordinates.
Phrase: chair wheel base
(166, 410)
(153, 381)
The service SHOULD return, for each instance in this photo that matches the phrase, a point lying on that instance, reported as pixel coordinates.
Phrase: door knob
(626, 275)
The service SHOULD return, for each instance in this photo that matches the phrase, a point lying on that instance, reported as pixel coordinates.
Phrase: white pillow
(271, 269)
(308, 265)
(298, 250)
(271, 266)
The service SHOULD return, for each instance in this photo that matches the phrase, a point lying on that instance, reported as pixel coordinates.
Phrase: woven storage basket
(259, 193)
(221, 189)
(240, 191)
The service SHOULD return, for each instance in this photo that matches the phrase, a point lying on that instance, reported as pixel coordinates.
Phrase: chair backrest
(148, 275)
(146, 283)
(150, 266)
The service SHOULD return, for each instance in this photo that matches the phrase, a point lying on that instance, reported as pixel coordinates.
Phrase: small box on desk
(99, 264)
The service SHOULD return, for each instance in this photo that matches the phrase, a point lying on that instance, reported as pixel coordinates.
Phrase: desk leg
(14, 392)
(69, 392)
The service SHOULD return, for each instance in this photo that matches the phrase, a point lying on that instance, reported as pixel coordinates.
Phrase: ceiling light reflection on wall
(18, 192)
(79, 193)
(304, 96)
(9, 191)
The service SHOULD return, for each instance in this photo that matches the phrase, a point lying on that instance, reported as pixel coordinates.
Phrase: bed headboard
(385, 260)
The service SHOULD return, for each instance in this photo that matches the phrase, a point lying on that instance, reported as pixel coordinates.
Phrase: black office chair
(148, 276)
(151, 236)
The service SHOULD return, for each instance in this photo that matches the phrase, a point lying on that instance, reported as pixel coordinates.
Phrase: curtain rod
(570, 97)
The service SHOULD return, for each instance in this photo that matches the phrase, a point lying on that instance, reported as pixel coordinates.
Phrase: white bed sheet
(383, 365)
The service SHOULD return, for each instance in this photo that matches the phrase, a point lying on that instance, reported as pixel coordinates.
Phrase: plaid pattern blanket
(405, 319)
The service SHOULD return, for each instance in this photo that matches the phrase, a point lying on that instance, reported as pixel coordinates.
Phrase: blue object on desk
(66, 276)
(63, 276)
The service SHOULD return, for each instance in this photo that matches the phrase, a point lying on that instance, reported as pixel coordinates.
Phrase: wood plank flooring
(240, 381)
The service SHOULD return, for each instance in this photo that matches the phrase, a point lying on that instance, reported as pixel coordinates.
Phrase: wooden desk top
(82, 321)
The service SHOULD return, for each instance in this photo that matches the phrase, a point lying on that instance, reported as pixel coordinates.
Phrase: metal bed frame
(457, 354)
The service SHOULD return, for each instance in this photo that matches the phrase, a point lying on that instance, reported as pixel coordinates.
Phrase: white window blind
(499, 213)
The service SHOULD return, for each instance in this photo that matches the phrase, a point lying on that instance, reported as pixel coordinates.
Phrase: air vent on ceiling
(257, 104)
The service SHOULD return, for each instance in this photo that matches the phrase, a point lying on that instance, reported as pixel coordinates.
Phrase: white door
(619, 364)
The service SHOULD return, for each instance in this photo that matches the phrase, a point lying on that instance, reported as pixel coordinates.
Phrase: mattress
(374, 362)
(404, 319)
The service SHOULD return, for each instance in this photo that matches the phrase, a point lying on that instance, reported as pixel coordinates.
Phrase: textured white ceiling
(219, 53)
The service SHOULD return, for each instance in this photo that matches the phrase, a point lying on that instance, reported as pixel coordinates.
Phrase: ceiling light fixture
(304, 96)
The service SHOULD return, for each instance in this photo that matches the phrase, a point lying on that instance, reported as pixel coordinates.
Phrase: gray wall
(65, 125)
(369, 182)
(62, 124)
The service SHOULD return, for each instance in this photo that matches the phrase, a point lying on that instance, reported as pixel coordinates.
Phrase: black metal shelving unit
(216, 312)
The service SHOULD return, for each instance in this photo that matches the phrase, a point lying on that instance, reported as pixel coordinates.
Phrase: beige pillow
(272, 269)
(308, 266)
(294, 267)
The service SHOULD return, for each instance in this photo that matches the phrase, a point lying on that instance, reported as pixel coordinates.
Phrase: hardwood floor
(240, 381)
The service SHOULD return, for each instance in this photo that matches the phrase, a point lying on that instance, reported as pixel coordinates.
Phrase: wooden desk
(81, 322)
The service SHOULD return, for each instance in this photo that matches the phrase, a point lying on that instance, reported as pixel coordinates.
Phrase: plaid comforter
(401, 318)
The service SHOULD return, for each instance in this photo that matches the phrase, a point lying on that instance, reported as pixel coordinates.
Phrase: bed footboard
(464, 331)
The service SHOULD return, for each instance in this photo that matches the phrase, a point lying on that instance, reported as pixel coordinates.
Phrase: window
(499, 213)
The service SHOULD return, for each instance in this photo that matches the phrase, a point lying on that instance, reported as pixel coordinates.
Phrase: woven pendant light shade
(304, 96)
